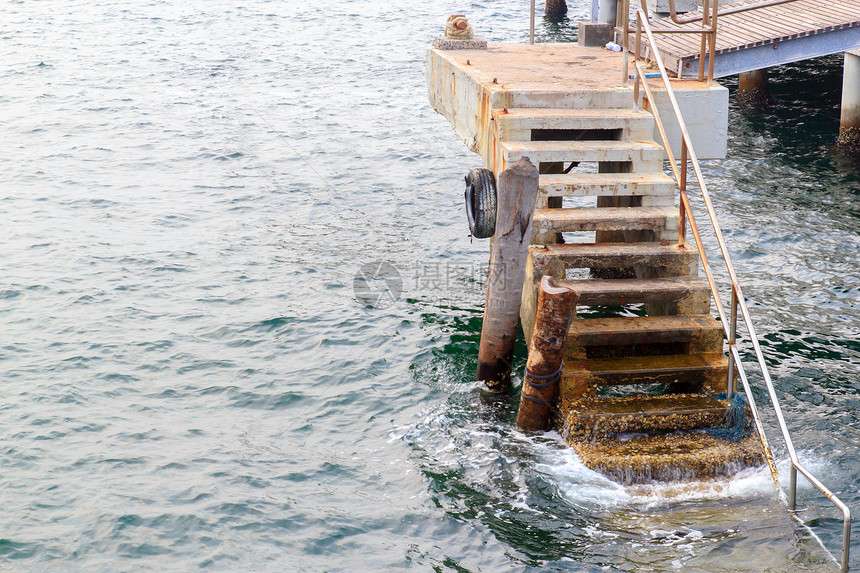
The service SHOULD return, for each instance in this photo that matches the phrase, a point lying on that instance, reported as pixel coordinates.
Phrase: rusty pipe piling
(544, 367)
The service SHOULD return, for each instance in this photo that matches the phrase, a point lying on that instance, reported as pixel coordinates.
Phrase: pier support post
(555, 10)
(849, 125)
(608, 11)
(543, 370)
(517, 194)
(753, 89)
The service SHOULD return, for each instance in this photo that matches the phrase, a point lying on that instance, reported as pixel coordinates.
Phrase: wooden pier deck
(764, 37)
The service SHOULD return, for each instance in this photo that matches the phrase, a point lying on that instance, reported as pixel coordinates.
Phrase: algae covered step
(692, 294)
(602, 417)
(694, 372)
(669, 457)
(701, 332)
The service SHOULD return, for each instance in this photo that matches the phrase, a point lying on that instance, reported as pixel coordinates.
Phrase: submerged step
(601, 417)
(694, 291)
(690, 372)
(605, 219)
(546, 151)
(669, 457)
(613, 255)
(606, 185)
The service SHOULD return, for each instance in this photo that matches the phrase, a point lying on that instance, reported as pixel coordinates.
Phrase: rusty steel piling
(544, 367)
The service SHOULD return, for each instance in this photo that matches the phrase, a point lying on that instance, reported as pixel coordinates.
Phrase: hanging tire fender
(481, 203)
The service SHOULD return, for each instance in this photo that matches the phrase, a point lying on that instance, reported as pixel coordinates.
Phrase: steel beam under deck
(771, 54)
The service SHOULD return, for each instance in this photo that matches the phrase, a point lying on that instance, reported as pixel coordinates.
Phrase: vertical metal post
(532, 23)
(682, 185)
(636, 95)
(713, 42)
(792, 487)
(625, 23)
(595, 4)
(733, 329)
(706, 19)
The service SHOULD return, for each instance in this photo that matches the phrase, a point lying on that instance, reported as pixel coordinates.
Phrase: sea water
(196, 377)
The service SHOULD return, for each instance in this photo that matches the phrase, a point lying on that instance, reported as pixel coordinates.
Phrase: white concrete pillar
(608, 11)
(849, 125)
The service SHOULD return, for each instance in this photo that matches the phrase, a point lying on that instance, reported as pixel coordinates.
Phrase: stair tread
(661, 327)
(675, 456)
(600, 145)
(573, 112)
(601, 417)
(604, 218)
(664, 405)
(604, 178)
(603, 184)
(572, 250)
(585, 150)
(667, 363)
(669, 286)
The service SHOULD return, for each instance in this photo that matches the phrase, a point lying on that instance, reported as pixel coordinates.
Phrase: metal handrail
(737, 299)
(730, 10)
(708, 47)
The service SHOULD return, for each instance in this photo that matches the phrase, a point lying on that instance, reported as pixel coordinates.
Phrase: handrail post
(733, 327)
(625, 24)
(706, 18)
(682, 214)
(532, 23)
(713, 41)
(636, 94)
(792, 486)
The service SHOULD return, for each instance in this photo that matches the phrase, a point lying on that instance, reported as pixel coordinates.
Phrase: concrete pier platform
(466, 86)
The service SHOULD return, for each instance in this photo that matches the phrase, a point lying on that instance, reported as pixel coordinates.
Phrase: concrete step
(544, 151)
(605, 219)
(603, 417)
(693, 291)
(512, 122)
(691, 372)
(607, 185)
(669, 457)
(701, 331)
(613, 255)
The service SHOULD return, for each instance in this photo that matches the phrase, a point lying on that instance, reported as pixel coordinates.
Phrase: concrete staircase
(644, 358)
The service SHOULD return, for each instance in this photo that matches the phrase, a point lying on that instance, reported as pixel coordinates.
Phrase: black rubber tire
(481, 203)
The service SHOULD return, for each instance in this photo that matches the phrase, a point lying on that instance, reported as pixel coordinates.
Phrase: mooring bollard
(517, 193)
(544, 366)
